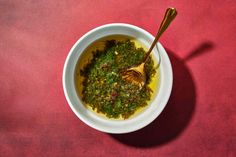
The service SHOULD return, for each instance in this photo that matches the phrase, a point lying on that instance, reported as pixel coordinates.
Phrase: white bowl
(139, 121)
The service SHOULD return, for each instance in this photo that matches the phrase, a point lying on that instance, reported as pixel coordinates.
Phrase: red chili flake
(114, 95)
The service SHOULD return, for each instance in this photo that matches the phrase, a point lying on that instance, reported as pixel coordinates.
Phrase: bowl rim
(125, 130)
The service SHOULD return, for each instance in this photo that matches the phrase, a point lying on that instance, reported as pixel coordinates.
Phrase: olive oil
(87, 55)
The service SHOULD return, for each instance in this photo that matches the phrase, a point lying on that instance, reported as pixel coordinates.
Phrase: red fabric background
(35, 119)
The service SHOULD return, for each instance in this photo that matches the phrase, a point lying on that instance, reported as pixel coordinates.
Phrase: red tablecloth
(35, 119)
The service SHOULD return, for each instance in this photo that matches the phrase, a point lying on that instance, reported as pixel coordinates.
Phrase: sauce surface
(104, 90)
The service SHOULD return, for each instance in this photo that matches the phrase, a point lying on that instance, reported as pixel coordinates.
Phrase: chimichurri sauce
(103, 87)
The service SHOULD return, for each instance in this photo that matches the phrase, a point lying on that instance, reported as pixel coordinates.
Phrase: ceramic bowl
(157, 104)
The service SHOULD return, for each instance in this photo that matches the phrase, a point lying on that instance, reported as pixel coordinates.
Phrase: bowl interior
(110, 125)
(87, 56)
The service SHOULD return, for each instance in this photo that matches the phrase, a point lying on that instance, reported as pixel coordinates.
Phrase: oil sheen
(87, 55)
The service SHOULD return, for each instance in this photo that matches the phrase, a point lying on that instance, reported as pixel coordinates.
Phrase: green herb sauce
(103, 87)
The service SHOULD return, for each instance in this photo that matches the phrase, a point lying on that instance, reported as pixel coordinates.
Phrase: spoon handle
(168, 18)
